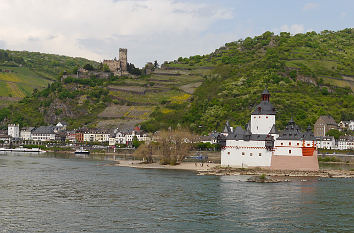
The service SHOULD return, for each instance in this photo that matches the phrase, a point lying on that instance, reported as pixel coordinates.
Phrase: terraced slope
(135, 99)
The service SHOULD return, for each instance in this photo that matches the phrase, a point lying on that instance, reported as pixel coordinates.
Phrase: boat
(22, 149)
(82, 151)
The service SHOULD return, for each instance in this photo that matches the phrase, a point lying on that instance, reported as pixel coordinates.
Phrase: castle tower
(123, 59)
(13, 130)
(263, 117)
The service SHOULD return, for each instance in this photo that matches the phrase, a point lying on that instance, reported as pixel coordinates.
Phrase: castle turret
(263, 117)
(123, 59)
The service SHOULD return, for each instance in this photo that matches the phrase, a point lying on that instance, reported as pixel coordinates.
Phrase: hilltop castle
(260, 144)
(118, 67)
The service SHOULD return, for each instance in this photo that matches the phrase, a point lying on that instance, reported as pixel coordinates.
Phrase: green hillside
(21, 72)
(105, 102)
(308, 75)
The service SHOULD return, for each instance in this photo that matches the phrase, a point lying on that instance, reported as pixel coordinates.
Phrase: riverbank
(217, 170)
(190, 166)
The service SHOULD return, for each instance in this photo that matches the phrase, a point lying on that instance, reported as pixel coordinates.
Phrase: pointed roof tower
(265, 107)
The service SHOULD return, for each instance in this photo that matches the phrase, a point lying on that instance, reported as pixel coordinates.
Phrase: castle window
(281, 143)
(228, 152)
(298, 144)
(260, 154)
(308, 144)
(251, 154)
(289, 151)
(289, 143)
(266, 117)
(243, 153)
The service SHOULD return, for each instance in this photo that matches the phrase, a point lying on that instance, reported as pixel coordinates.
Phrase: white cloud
(97, 28)
(310, 6)
(293, 29)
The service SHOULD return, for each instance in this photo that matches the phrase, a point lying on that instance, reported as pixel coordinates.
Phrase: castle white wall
(262, 124)
(245, 154)
(291, 147)
(13, 130)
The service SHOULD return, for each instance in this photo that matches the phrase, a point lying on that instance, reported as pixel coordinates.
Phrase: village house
(327, 142)
(260, 145)
(127, 136)
(212, 138)
(95, 136)
(44, 134)
(26, 133)
(71, 136)
(346, 143)
(4, 138)
(323, 125)
(61, 126)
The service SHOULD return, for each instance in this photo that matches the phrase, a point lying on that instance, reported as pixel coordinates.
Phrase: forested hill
(21, 72)
(308, 75)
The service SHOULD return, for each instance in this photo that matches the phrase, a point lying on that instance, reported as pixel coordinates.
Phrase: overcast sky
(157, 29)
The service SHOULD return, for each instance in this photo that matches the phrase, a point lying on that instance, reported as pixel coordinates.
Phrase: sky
(161, 30)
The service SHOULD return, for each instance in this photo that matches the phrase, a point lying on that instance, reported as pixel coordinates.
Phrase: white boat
(82, 151)
(22, 149)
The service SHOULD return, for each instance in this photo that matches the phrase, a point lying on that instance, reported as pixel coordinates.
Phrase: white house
(346, 143)
(43, 133)
(327, 142)
(127, 136)
(13, 130)
(96, 136)
(260, 145)
(26, 133)
(351, 125)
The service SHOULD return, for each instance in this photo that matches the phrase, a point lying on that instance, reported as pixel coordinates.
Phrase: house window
(228, 152)
(281, 143)
(243, 153)
(260, 154)
(289, 151)
(251, 154)
(298, 144)
(308, 144)
(266, 117)
(289, 143)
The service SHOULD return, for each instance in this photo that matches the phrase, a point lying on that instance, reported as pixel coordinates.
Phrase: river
(55, 194)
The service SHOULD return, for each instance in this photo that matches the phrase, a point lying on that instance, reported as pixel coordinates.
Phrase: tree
(335, 133)
(105, 68)
(136, 143)
(156, 65)
(174, 145)
(145, 151)
(88, 67)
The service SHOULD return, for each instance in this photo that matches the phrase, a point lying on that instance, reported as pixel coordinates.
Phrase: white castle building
(260, 145)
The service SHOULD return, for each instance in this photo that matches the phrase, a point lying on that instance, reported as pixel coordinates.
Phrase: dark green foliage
(242, 69)
(133, 70)
(88, 67)
(335, 133)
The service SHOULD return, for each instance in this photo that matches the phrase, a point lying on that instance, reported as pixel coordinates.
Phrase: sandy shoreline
(189, 166)
(215, 169)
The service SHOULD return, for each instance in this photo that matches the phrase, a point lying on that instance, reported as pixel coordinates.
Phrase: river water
(54, 194)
